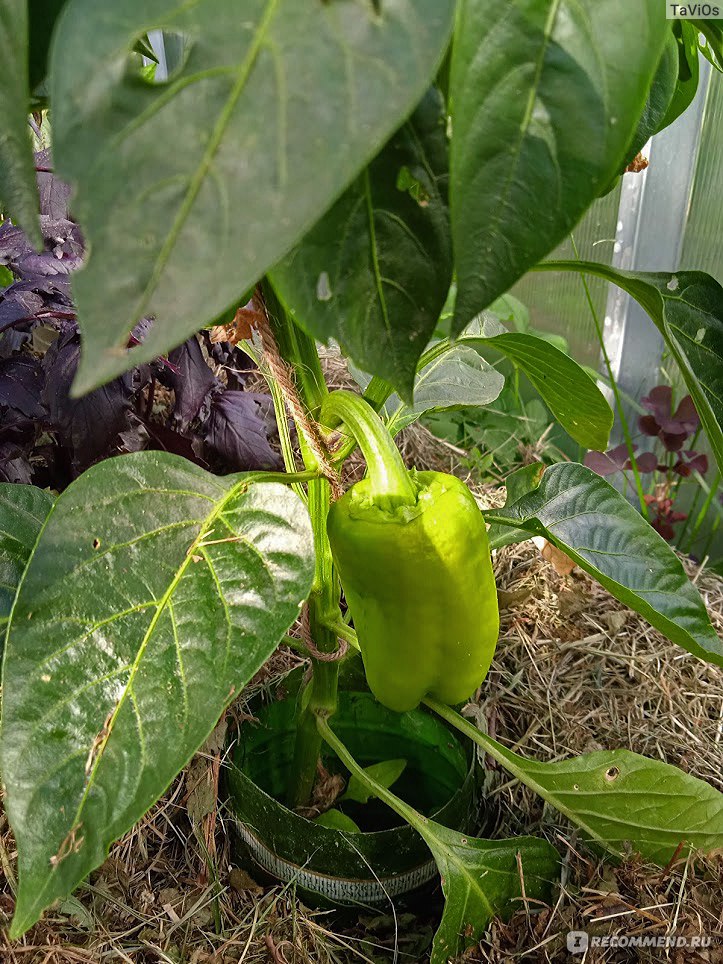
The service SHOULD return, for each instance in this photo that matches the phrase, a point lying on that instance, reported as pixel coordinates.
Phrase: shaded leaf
(119, 661)
(546, 96)
(620, 800)
(191, 381)
(686, 36)
(385, 773)
(374, 272)
(88, 427)
(231, 158)
(687, 309)
(517, 484)
(18, 191)
(660, 97)
(42, 17)
(237, 430)
(23, 510)
(336, 820)
(590, 521)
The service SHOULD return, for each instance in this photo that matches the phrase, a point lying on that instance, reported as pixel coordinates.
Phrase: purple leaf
(21, 382)
(88, 426)
(54, 193)
(673, 442)
(659, 401)
(191, 381)
(648, 425)
(647, 462)
(237, 431)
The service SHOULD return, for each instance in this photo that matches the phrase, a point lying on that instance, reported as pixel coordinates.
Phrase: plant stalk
(320, 694)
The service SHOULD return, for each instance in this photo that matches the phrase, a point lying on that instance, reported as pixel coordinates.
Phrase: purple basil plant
(669, 462)
(194, 403)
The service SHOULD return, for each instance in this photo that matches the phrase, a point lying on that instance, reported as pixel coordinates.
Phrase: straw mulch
(574, 672)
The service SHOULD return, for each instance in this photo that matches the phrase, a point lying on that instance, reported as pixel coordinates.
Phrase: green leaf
(336, 820)
(43, 15)
(154, 594)
(23, 510)
(620, 800)
(385, 774)
(546, 96)
(374, 272)
(712, 49)
(686, 37)
(482, 879)
(518, 484)
(565, 387)
(18, 188)
(687, 308)
(6, 276)
(660, 97)
(456, 377)
(590, 521)
(188, 191)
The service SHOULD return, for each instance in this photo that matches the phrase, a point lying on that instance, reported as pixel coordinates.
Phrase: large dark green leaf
(188, 191)
(23, 510)
(687, 308)
(546, 96)
(155, 592)
(590, 521)
(18, 190)
(374, 272)
(620, 800)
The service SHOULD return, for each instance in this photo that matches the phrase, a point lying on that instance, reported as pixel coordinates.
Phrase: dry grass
(574, 672)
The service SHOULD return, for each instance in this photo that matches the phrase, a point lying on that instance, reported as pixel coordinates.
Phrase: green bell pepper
(412, 553)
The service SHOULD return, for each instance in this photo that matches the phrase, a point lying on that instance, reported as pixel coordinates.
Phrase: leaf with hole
(374, 272)
(687, 309)
(620, 800)
(267, 118)
(546, 96)
(586, 518)
(153, 595)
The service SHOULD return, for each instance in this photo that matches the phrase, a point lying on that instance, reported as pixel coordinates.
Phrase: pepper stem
(391, 485)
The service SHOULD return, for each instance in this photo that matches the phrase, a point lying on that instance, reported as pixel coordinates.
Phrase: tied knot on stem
(339, 653)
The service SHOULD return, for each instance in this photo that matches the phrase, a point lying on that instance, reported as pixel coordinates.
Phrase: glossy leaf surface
(591, 522)
(276, 107)
(154, 594)
(23, 510)
(546, 96)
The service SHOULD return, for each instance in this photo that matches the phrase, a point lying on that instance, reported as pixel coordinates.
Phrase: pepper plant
(343, 162)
